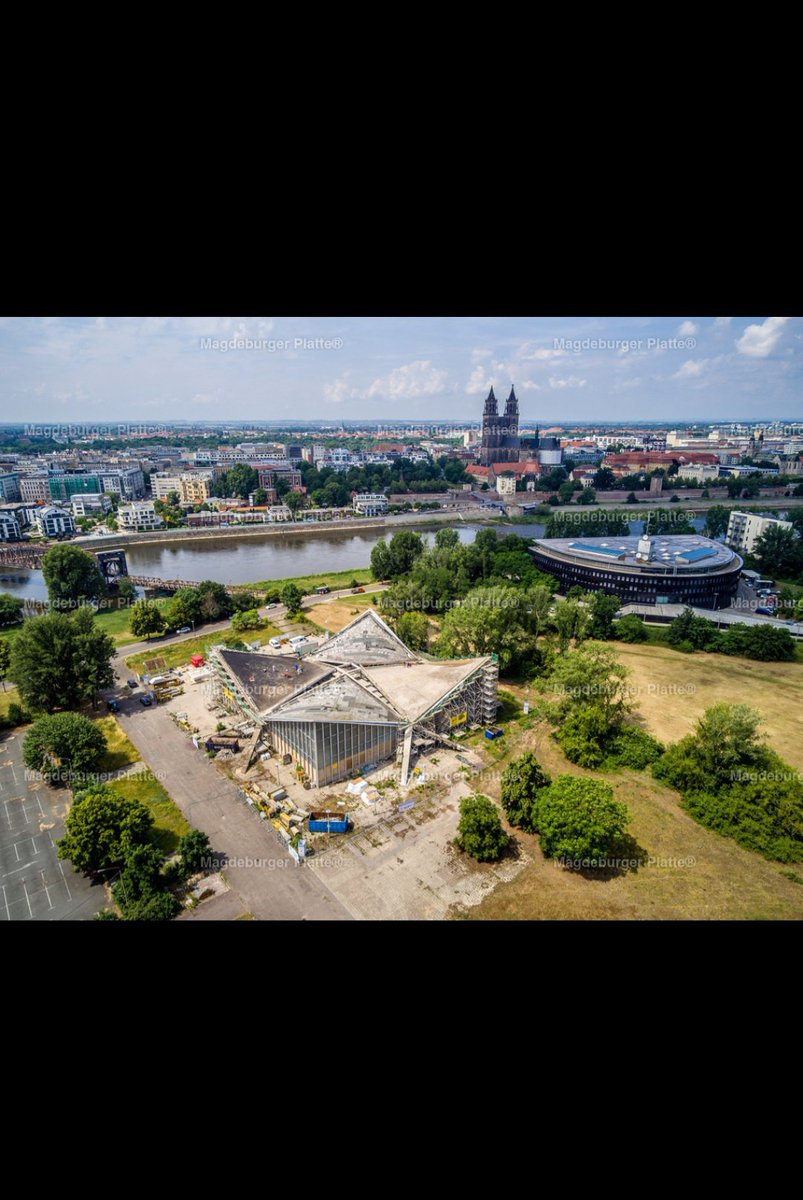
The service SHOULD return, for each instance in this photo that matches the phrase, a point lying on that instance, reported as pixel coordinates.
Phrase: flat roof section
(270, 679)
(675, 551)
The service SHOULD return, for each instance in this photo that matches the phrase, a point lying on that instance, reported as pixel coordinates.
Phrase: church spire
(512, 406)
(490, 404)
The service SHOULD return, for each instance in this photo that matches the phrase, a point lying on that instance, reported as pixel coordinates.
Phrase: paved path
(268, 882)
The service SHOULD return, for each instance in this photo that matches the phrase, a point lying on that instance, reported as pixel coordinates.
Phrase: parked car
(765, 612)
(356, 591)
(146, 700)
(322, 591)
(272, 604)
(113, 706)
(132, 683)
(185, 629)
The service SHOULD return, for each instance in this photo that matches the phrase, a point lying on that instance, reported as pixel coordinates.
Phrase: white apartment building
(506, 485)
(89, 504)
(9, 528)
(744, 529)
(370, 504)
(54, 522)
(139, 515)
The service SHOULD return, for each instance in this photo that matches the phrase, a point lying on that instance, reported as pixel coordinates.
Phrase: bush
(521, 782)
(630, 629)
(634, 748)
(480, 831)
(159, 906)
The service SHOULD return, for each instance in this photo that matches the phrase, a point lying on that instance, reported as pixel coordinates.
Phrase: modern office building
(35, 489)
(670, 569)
(10, 530)
(744, 529)
(89, 504)
(361, 698)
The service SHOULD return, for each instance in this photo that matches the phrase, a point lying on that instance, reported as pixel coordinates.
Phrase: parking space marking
(8, 818)
(5, 897)
(47, 891)
(33, 843)
(64, 877)
(16, 870)
(30, 910)
(16, 851)
(39, 802)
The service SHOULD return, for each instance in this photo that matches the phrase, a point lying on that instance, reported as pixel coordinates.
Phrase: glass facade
(329, 751)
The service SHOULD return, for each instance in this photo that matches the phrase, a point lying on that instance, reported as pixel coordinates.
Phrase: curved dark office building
(662, 569)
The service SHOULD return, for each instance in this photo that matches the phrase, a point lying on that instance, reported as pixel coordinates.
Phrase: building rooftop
(270, 679)
(676, 552)
(416, 688)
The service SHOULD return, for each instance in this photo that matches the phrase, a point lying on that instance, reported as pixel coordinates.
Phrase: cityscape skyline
(329, 369)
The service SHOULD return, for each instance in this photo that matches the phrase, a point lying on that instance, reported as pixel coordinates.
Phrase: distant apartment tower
(744, 529)
(55, 522)
(370, 504)
(10, 487)
(34, 489)
(140, 514)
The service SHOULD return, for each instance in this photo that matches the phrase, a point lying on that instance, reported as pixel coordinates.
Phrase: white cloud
(722, 322)
(759, 341)
(478, 354)
(541, 354)
(570, 381)
(415, 379)
(691, 368)
(418, 378)
(478, 381)
(687, 329)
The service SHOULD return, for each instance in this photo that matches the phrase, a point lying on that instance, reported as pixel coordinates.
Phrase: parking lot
(35, 885)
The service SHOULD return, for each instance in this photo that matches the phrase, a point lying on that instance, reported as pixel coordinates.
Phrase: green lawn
(308, 583)
(9, 696)
(120, 752)
(179, 653)
(170, 821)
(114, 621)
(171, 824)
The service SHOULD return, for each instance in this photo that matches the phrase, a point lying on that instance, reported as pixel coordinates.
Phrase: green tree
(60, 661)
(779, 551)
(447, 539)
(604, 479)
(632, 498)
(240, 481)
(72, 576)
(566, 491)
(579, 820)
(10, 609)
(603, 609)
(250, 619)
(571, 619)
(260, 497)
(716, 520)
(292, 597)
(295, 501)
(593, 701)
(126, 589)
(184, 608)
(94, 651)
(140, 878)
(157, 906)
(193, 848)
(479, 831)
(491, 620)
(5, 661)
(521, 782)
(397, 556)
(631, 629)
(145, 619)
(587, 496)
(413, 629)
(215, 602)
(64, 746)
(101, 827)
(243, 601)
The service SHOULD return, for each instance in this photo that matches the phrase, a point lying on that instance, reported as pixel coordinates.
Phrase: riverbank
(118, 541)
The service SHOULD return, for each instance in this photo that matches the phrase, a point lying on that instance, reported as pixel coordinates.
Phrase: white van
(275, 644)
(296, 641)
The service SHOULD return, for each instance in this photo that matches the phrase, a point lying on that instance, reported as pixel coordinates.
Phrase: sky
(152, 369)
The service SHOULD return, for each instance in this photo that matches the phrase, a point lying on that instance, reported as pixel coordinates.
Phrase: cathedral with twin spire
(500, 434)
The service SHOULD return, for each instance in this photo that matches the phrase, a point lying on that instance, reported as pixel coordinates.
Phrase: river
(251, 559)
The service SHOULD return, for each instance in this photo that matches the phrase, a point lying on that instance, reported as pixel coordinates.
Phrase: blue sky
(149, 369)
